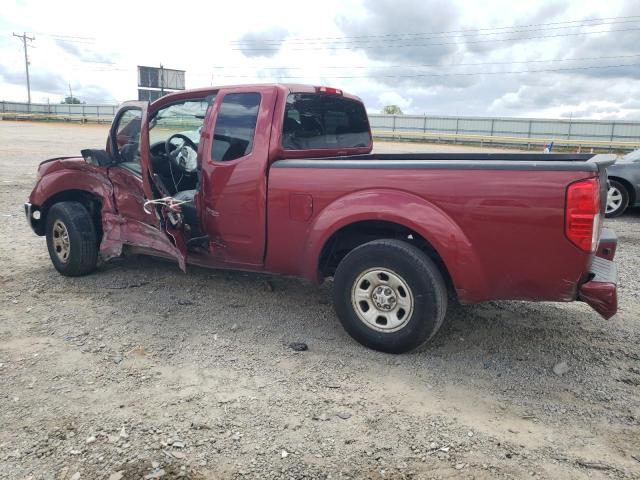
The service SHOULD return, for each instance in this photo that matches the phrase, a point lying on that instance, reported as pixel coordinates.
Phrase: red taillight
(582, 224)
(329, 90)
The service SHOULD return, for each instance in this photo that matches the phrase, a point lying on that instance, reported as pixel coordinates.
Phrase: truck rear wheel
(389, 296)
(71, 239)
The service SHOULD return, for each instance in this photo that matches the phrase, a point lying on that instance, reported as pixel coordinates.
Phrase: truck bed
(497, 219)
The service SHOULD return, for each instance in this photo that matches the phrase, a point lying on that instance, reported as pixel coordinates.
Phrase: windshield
(184, 117)
(321, 121)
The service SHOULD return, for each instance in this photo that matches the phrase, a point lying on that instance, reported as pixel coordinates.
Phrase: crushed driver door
(166, 208)
(158, 226)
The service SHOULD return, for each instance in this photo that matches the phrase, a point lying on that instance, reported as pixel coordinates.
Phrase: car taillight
(582, 223)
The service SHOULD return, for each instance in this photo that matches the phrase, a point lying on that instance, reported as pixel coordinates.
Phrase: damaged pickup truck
(281, 179)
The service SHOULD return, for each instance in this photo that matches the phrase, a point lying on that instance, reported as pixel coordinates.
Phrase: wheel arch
(92, 202)
(384, 213)
(351, 236)
(86, 184)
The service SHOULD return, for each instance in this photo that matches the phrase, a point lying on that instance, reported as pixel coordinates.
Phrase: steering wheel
(184, 155)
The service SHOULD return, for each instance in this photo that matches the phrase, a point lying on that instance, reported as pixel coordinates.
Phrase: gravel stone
(560, 368)
(299, 346)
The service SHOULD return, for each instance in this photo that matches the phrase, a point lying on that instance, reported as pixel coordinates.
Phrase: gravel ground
(139, 371)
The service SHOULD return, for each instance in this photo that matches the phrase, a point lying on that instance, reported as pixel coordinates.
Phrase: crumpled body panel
(600, 293)
(119, 231)
(600, 296)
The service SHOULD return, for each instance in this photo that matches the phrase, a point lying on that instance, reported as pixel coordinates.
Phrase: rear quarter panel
(499, 232)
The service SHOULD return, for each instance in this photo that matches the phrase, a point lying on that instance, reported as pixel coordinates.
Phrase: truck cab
(195, 164)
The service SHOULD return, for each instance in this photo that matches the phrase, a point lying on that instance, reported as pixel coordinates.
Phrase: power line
(347, 67)
(439, 65)
(417, 75)
(365, 47)
(80, 42)
(475, 31)
(390, 41)
(68, 38)
(582, 23)
(435, 36)
(356, 45)
(56, 35)
(24, 39)
(124, 67)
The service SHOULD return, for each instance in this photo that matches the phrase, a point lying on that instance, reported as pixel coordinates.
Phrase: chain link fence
(68, 112)
(521, 132)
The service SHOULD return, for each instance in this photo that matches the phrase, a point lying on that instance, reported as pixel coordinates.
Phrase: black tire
(82, 253)
(419, 273)
(624, 203)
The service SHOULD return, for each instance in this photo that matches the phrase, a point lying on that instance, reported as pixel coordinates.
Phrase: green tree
(72, 100)
(392, 110)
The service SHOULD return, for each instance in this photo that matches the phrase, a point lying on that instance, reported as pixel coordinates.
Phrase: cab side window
(126, 143)
(235, 126)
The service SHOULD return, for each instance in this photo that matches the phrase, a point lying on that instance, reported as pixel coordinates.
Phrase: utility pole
(70, 94)
(161, 80)
(24, 38)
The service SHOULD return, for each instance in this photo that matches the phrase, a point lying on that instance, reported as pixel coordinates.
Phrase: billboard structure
(154, 82)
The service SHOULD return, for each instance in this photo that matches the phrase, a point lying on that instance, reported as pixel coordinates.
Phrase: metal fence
(521, 132)
(70, 112)
(529, 132)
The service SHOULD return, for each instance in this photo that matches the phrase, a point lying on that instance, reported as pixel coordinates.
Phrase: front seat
(189, 207)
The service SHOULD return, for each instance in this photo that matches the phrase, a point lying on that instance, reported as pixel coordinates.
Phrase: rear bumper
(600, 292)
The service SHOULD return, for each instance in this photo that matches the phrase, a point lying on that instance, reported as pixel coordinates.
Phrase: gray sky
(546, 58)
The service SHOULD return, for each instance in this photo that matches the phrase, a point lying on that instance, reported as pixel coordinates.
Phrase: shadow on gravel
(632, 213)
(280, 310)
(630, 216)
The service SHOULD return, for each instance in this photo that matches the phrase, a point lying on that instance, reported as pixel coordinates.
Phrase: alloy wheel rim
(61, 241)
(382, 299)
(614, 199)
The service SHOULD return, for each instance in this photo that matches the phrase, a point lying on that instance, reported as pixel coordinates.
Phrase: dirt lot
(140, 371)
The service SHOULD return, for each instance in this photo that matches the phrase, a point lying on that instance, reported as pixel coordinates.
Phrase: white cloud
(203, 39)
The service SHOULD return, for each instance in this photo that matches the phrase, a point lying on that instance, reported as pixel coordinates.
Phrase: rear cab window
(322, 121)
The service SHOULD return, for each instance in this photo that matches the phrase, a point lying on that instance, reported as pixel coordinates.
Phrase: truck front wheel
(71, 239)
(389, 296)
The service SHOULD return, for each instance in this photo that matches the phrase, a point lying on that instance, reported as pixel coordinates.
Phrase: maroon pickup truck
(281, 179)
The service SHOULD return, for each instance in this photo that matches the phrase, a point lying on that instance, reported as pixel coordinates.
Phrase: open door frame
(171, 239)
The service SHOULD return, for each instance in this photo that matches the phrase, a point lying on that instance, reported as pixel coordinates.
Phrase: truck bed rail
(459, 161)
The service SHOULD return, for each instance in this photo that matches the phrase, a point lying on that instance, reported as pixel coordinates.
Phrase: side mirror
(99, 158)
